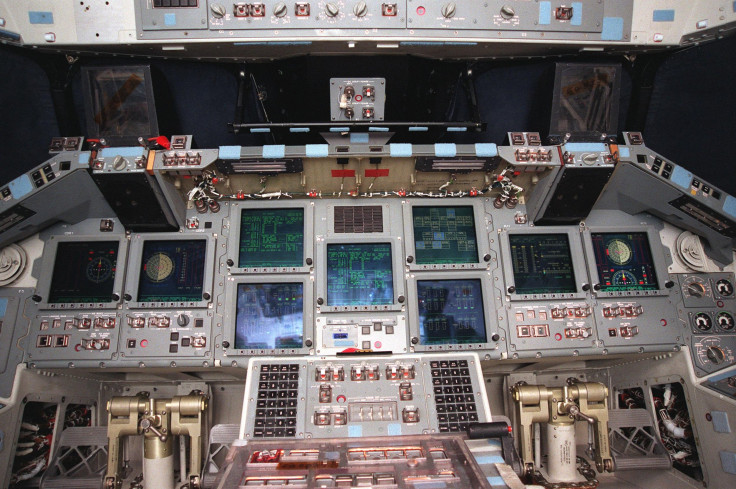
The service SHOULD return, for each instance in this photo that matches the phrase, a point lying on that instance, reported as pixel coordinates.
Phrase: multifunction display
(444, 235)
(542, 263)
(271, 238)
(269, 316)
(451, 312)
(359, 274)
(172, 271)
(84, 272)
(624, 262)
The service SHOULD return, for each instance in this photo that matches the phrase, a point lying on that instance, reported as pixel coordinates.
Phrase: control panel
(708, 313)
(361, 395)
(411, 461)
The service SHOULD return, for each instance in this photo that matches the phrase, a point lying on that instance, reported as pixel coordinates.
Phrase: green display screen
(624, 262)
(542, 263)
(444, 234)
(359, 274)
(271, 238)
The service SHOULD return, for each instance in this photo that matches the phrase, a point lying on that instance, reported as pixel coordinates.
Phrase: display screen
(84, 272)
(451, 312)
(542, 263)
(624, 262)
(172, 271)
(269, 316)
(444, 235)
(271, 238)
(359, 274)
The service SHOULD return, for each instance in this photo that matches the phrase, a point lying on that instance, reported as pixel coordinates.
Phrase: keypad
(276, 403)
(453, 395)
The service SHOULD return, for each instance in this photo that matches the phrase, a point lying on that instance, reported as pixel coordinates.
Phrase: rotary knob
(715, 355)
(360, 9)
(332, 10)
(217, 10)
(448, 10)
(119, 163)
(279, 10)
(507, 11)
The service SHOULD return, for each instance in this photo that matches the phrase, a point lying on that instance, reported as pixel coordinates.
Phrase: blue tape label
(274, 151)
(447, 150)
(663, 15)
(229, 152)
(3, 306)
(41, 17)
(316, 150)
(170, 19)
(20, 187)
(613, 29)
(577, 13)
(545, 13)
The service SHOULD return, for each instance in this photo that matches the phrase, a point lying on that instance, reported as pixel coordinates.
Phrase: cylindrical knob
(218, 10)
(182, 320)
(279, 10)
(332, 10)
(507, 11)
(448, 10)
(360, 9)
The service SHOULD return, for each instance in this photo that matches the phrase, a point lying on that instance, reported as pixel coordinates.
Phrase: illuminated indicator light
(421, 11)
(378, 344)
(144, 343)
(558, 336)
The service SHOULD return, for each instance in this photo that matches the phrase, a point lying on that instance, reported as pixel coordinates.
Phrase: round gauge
(725, 321)
(619, 252)
(710, 351)
(624, 277)
(724, 287)
(159, 267)
(702, 321)
(696, 287)
(99, 270)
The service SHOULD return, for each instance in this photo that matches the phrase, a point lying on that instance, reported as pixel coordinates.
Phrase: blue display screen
(172, 271)
(359, 274)
(269, 316)
(451, 312)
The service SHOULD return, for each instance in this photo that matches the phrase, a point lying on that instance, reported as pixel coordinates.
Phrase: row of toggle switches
(623, 311)
(406, 393)
(364, 372)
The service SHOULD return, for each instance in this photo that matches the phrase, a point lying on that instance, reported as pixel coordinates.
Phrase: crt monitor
(451, 312)
(359, 274)
(444, 234)
(624, 262)
(269, 316)
(172, 270)
(271, 238)
(542, 263)
(84, 272)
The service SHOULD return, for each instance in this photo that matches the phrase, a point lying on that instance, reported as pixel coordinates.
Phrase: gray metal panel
(28, 201)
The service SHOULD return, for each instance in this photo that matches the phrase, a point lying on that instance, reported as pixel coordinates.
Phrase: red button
(144, 343)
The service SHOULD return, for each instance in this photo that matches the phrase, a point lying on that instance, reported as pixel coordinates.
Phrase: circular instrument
(725, 321)
(702, 321)
(159, 267)
(99, 269)
(724, 288)
(624, 277)
(619, 252)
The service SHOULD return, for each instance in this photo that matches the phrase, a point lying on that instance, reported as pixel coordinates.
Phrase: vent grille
(359, 219)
